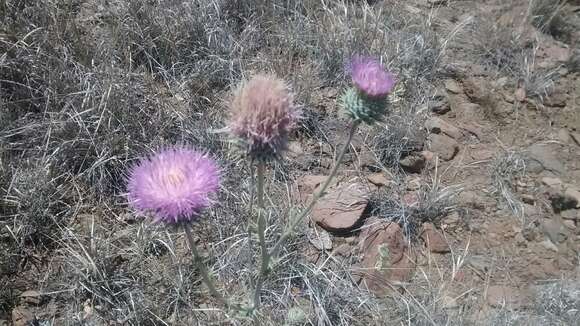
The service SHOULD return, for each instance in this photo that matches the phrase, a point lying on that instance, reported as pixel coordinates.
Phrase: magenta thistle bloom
(370, 77)
(262, 116)
(175, 184)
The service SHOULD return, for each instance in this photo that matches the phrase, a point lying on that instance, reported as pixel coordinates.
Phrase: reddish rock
(434, 240)
(553, 54)
(557, 98)
(386, 257)
(439, 126)
(445, 146)
(410, 199)
(413, 163)
(476, 88)
(542, 157)
(21, 316)
(340, 210)
(482, 154)
(307, 184)
(378, 179)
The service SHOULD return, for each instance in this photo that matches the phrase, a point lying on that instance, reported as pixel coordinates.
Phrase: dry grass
(87, 87)
(506, 170)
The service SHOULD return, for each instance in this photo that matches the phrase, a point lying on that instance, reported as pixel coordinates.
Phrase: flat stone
(557, 98)
(378, 179)
(482, 154)
(570, 224)
(340, 210)
(468, 109)
(574, 193)
(31, 297)
(413, 163)
(453, 86)
(434, 240)
(320, 239)
(554, 183)
(445, 146)
(570, 214)
(554, 230)
(439, 126)
(541, 157)
(306, 185)
(471, 199)
(387, 259)
(21, 316)
(564, 136)
(499, 296)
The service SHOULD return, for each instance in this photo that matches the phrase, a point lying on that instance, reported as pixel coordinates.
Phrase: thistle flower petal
(370, 77)
(176, 184)
(262, 116)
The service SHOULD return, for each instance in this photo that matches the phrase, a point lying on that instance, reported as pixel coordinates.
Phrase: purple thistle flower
(370, 77)
(175, 184)
(263, 114)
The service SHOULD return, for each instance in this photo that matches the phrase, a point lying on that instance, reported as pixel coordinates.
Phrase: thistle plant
(263, 115)
(177, 184)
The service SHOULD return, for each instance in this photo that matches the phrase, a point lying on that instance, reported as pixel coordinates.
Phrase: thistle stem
(298, 218)
(265, 256)
(295, 220)
(198, 261)
(260, 184)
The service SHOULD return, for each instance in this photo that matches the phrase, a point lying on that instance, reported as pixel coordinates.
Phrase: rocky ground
(463, 207)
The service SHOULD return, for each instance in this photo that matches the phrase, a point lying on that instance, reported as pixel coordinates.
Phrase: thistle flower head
(370, 77)
(367, 100)
(176, 184)
(263, 114)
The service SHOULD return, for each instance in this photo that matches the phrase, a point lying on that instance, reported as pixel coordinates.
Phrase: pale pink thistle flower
(262, 116)
(370, 77)
(176, 185)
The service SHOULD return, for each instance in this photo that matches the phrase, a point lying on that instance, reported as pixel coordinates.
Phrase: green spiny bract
(363, 108)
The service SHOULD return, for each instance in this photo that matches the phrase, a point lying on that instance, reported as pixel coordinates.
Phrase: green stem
(198, 260)
(265, 257)
(260, 184)
(298, 218)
